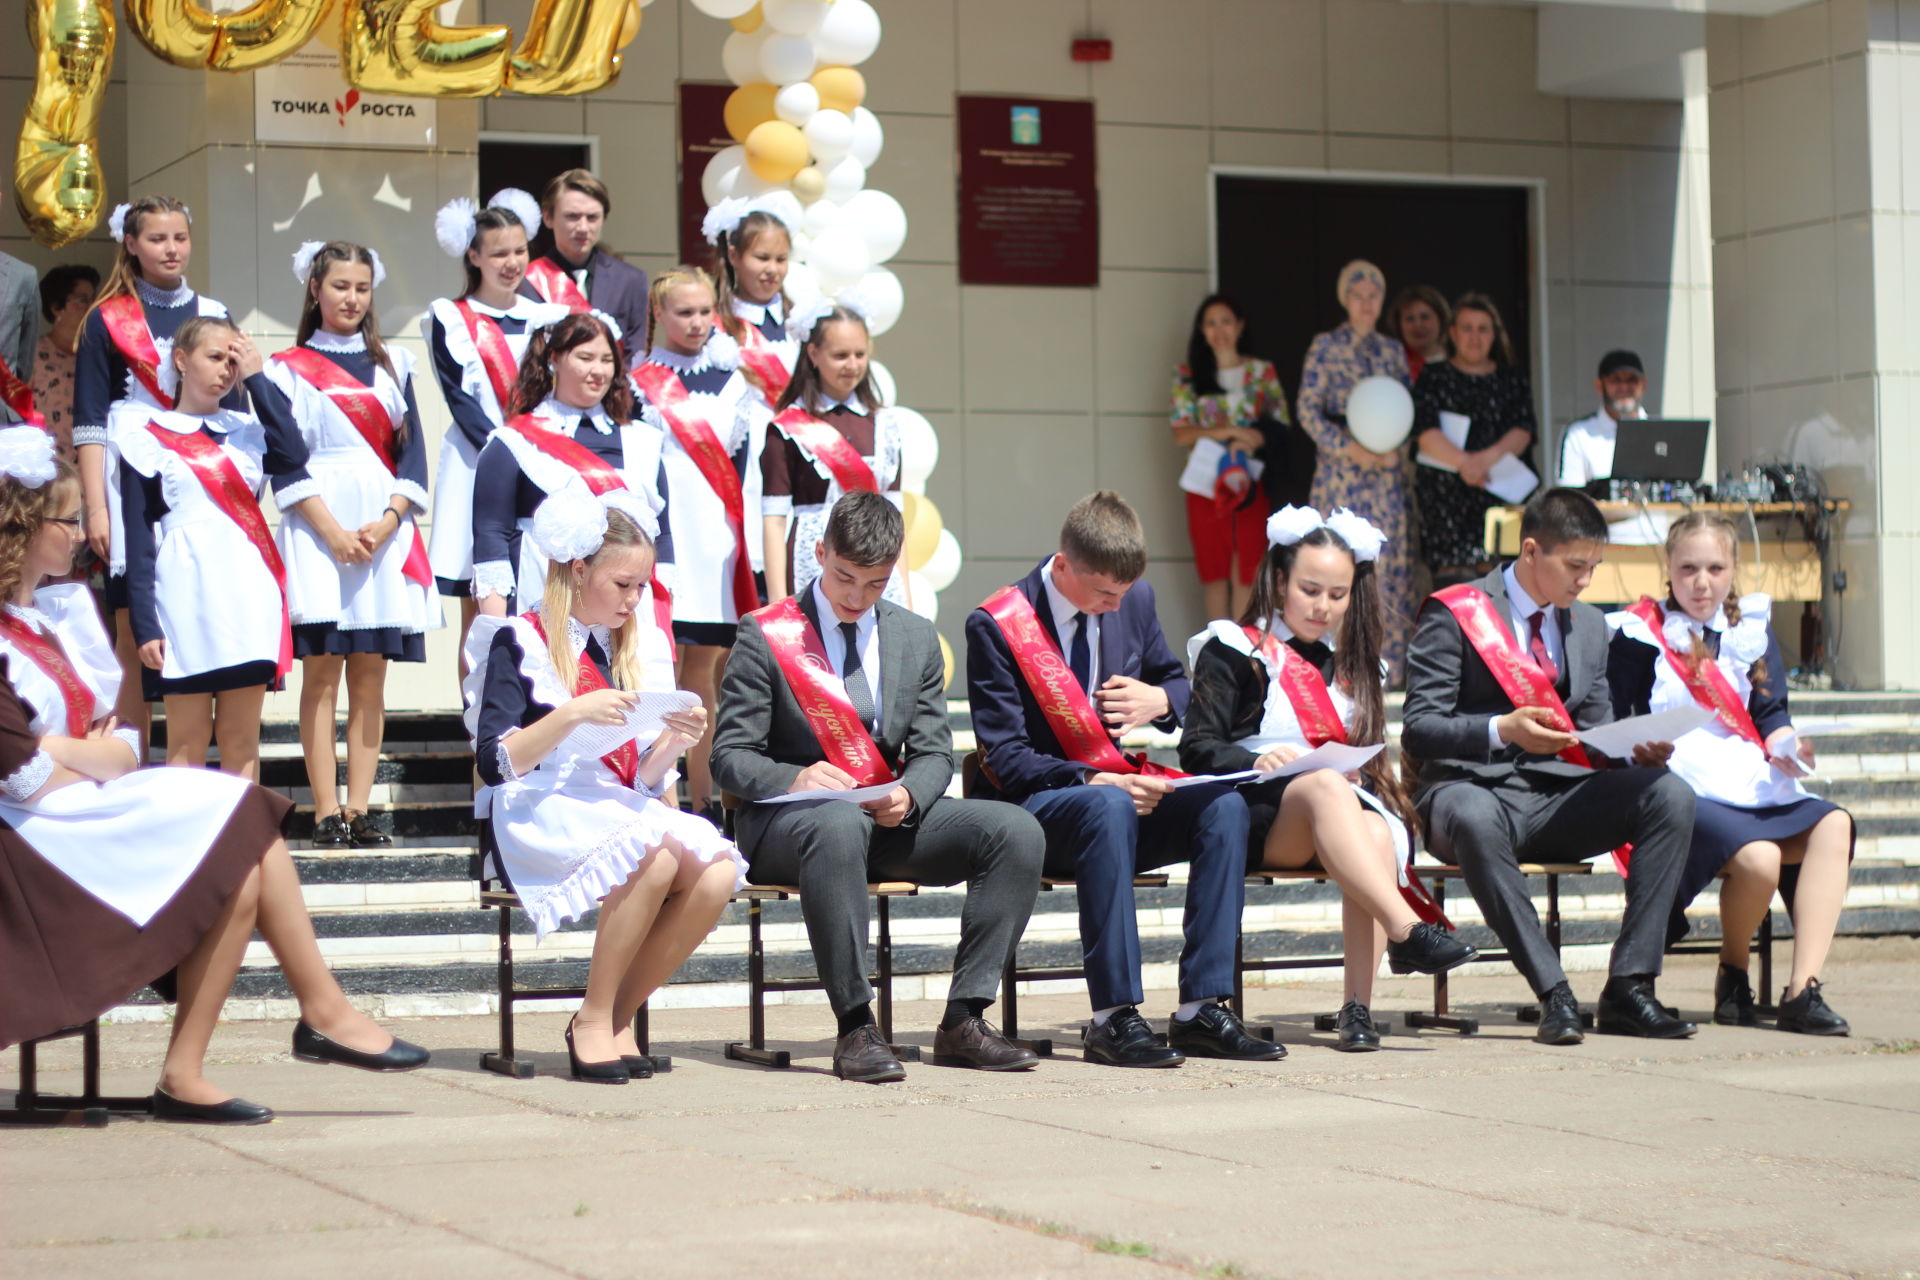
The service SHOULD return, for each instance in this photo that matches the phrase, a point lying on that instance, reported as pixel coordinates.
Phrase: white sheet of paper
(1454, 427)
(1622, 736)
(1227, 779)
(1330, 755)
(1426, 459)
(858, 795)
(644, 721)
(1511, 480)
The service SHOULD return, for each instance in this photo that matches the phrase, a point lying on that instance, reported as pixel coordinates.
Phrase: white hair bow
(572, 524)
(310, 249)
(26, 454)
(1290, 524)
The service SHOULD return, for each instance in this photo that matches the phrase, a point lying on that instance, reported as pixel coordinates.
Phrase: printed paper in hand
(1226, 779)
(858, 795)
(1330, 755)
(642, 723)
(1511, 480)
(1622, 736)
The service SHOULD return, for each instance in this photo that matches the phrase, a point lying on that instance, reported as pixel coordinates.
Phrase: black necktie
(858, 691)
(1080, 654)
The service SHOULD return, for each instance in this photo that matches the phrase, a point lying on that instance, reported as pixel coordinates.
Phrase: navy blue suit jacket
(615, 287)
(1022, 754)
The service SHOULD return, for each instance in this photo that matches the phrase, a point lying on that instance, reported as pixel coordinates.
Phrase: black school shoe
(365, 835)
(1733, 999)
(1807, 1013)
(332, 832)
(1357, 1032)
(1628, 1008)
(1125, 1040)
(1214, 1032)
(1428, 949)
(1560, 1021)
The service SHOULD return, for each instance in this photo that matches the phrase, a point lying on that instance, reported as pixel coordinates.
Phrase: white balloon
(829, 136)
(921, 596)
(803, 285)
(839, 257)
(845, 178)
(796, 103)
(750, 184)
(822, 214)
(883, 382)
(943, 566)
(725, 10)
(794, 17)
(740, 55)
(786, 59)
(880, 290)
(716, 180)
(867, 136)
(1379, 414)
(881, 220)
(919, 447)
(849, 34)
(782, 204)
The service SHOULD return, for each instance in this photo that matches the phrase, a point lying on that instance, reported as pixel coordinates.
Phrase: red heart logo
(342, 107)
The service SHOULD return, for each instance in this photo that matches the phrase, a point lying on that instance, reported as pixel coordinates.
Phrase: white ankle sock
(1186, 1011)
(1100, 1016)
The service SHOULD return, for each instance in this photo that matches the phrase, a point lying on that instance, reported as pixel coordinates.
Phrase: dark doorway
(529, 165)
(1282, 241)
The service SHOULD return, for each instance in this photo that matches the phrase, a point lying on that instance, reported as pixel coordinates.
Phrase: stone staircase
(405, 932)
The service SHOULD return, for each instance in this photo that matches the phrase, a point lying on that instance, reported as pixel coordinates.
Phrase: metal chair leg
(755, 1050)
(884, 913)
(641, 1037)
(1439, 1018)
(504, 1062)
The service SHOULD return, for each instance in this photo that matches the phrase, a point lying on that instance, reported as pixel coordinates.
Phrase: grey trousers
(833, 851)
(1487, 830)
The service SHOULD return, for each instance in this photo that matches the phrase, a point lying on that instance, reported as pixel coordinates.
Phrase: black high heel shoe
(638, 1065)
(614, 1072)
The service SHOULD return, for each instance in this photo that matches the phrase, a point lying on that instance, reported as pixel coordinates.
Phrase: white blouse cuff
(667, 781)
(776, 505)
(89, 435)
(21, 785)
(503, 759)
(412, 493)
(493, 578)
(295, 494)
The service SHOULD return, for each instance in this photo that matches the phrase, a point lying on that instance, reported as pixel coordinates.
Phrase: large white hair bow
(572, 524)
(1289, 525)
(26, 454)
(310, 249)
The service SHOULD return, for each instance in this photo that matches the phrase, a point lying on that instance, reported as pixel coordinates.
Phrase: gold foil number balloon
(57, 182)
(397, 46)
(571, 46)
(187, 34)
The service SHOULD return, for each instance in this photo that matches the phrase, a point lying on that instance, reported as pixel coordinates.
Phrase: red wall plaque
(1029, 192)
(703, 131)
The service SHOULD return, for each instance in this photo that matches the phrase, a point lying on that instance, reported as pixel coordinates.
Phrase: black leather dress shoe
(976, 1043)
(310, 1046)
(1808, 1014)
(614, 1072)
(1357, 1032)
(1733, 999)
(1559, 1017)
(232, 1111)
(332, 832)
(1428, 949)
(1628, 1008)
(1214, 1032)
(1125, 1040)
(365, 833)
(862, 1056)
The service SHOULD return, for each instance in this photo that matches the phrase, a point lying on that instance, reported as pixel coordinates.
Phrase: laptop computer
(1660, 449)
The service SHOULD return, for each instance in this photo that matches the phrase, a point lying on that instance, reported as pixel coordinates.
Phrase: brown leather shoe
(977, 1044)
(863, 1057)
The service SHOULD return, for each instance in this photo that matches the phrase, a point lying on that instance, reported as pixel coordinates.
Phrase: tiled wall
(1042, 394)
(1816, 233)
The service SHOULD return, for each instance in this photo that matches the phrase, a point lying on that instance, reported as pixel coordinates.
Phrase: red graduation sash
(664, 388)
(1524, 683)
(1707, 682)
(555, 285)
(1305, 688)
(624, 759)
(127, 325)
(1068, 710)
(45, 653)
(600, 476)
(18, 396)
(362, 407)
(822, 697)
(760, 360)
(495, 356)
(820, 441)
(221, 479)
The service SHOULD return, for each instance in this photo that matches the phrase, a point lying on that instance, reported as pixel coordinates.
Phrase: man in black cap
(1586, 451)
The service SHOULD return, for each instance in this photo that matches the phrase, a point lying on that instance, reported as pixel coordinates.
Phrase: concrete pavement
(1742, 1153)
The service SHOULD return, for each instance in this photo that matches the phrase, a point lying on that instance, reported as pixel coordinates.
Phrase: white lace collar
(31, 615)
(520, 309)
(185, 424)
(1745, 642)
(851, 406)
(758, 313)
(557, 410)
(720, 352)
(345, 344)
(1282, 632)
(579, 632)
(154, 296)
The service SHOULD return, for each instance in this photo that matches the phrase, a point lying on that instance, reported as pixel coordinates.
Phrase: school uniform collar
(556, 410)
(578, 633)
(823, 610)
(758, 314)
(851, 406)
(31, 615)
(1519, 602)
(153, 296)
(185, 424)
(521, 308)
(344, 344)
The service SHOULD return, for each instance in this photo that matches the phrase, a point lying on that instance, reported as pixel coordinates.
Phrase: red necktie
(1538, 648)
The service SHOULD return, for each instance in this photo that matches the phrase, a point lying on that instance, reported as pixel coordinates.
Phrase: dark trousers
(1094, 836)
(834, 850)
(1487, 829)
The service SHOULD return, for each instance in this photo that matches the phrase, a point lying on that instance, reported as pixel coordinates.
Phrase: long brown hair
(337, 251)
(1686, 526)
(804, 388)
(556, 605)
(1356, 653)
(548, 345)
(726, 283)
(126, 267)
(24, 513)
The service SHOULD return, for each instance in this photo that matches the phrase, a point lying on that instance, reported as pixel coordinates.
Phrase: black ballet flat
(232, 1111)
(614, 1072)
(310, 1046)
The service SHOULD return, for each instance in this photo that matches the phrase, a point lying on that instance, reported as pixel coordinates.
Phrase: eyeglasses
(67, 520)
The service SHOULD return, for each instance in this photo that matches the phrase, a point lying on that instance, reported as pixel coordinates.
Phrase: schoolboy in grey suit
(891, 663)
(1493, 789)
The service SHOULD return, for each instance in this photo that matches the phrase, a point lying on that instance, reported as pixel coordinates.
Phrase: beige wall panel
(1491, 77)
(1022, 472)
(1260, 147)
(924, 81)
(1142, 313)
(1374, 47)
(1157, 65)
(916, 168)
(1624, 204)
(1153, 197)
(1793, 333)
(637, 145)
(923, 350)
(1789, 131)
(1021, 46)
(1268, 64)
(1026, 349)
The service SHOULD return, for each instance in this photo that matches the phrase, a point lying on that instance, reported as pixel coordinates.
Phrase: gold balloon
(571, 46)
(749, 22)
(629, 25)
(748, 106)
(923, 529)
(57, 182)
(187, 34)
(841, 88)
(776, 151)
(397, 46)
(809, 184)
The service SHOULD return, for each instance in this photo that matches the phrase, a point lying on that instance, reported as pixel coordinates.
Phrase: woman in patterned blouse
(1373, 485)
(1220, 395)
